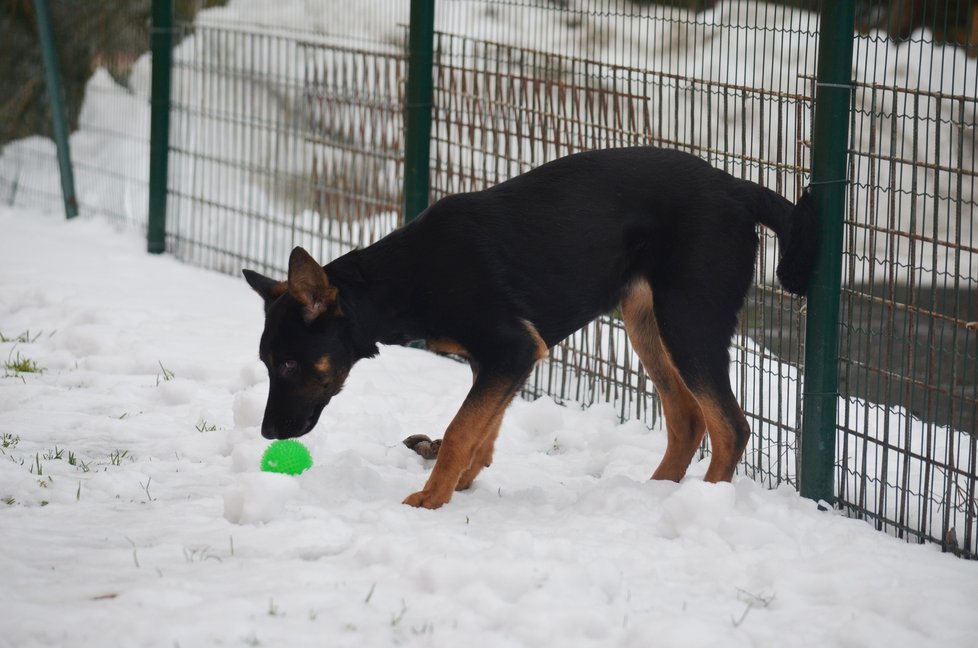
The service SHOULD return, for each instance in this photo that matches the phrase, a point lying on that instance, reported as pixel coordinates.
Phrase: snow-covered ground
(132, 511)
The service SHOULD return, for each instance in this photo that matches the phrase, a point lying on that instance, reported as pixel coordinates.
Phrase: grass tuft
(116, 457)
(8, 440)
(20, 365)
(166, 376)
(23, 338)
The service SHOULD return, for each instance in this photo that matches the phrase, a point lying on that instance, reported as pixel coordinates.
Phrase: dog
(500, 276)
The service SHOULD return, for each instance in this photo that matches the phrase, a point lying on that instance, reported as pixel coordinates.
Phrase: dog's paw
(423, 445)
(425, 499)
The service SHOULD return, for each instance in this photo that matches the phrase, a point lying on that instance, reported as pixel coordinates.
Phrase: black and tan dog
(500, 276)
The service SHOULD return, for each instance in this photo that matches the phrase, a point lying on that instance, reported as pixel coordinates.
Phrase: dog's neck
(375, 296)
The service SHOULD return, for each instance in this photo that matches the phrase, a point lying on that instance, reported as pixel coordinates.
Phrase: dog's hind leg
(697, 335)
(729, 433)
(685, 424)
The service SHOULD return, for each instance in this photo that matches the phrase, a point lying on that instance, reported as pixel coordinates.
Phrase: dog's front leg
(468, 432)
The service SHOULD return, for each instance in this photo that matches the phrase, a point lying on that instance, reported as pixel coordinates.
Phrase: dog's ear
(309, 285)
(268, 288)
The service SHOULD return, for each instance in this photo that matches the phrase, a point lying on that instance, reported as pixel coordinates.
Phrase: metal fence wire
(280, 140)
(287, 129)
(907, 444)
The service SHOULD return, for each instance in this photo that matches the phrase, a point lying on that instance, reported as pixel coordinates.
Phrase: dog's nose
(269, 431)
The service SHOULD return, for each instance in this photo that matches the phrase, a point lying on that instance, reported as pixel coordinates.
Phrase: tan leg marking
(726, 450)
(470, 439)
(542, 349)
(447, 346)
(483, 455)
(466, 434)
(685, 423)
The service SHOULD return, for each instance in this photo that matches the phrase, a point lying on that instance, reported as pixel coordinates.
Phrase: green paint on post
(417, 118)
(159, 136)
(59, 124)
(829, 163)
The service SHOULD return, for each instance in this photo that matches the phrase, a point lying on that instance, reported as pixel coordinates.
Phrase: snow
(132, 510)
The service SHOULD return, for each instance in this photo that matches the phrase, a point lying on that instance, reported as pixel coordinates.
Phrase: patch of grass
(8, 440)
(37, 465)
(204, 426)
(200, 554)
(149, 498)
(750, 601)
(73, 460)
(396, 618)
(166, 376)
(23, 338)
(116, 457)
(20, 365)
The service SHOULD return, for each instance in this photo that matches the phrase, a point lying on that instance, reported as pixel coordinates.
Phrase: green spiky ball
(286, 456)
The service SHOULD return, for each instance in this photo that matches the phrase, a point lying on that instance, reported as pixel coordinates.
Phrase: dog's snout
(269, 431)
(289, 430)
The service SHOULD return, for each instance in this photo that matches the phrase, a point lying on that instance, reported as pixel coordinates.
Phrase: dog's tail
(797, 230)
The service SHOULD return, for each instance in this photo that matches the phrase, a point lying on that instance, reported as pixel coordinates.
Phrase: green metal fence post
(159, 136)
(830, 143)
(417, 118)
(52, 76)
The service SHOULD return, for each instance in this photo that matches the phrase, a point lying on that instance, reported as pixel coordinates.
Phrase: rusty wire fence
(909, 355)
(501, 109)
(287, 129)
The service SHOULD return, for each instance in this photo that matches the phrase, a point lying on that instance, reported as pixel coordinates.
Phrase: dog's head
(307, 346)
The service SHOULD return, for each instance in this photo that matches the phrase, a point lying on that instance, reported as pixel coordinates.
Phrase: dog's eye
(288, 368)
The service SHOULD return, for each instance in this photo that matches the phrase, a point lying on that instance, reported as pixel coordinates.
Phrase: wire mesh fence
(907, 429)
(287, 130)
(280, 141)
(658, 77)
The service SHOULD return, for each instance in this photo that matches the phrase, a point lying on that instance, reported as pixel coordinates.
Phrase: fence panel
(503, 106)
(909, 352)
(279, 141)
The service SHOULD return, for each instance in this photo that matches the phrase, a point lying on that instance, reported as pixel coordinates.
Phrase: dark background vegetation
(114, 33)
(88, 34)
